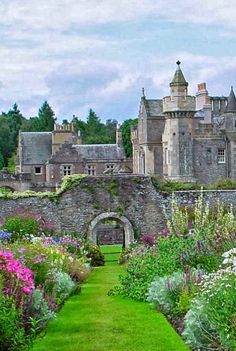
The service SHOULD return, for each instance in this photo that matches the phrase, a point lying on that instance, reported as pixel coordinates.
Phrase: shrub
(78, 270)
(148, 239)
(94, 254)
(20, 226)
(146, 263)
(38, 309)
(210, 322)
(172, 294)
(12, 336)
(64, 286)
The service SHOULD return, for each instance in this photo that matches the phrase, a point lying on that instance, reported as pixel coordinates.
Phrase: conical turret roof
(231, 105)
(179, 77)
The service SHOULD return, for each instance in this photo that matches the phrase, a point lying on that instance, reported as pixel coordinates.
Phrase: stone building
(46, 157)
(186, 138)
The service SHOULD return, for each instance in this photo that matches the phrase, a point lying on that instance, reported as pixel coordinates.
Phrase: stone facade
(46, 157)
(132, 201)
(186, 138)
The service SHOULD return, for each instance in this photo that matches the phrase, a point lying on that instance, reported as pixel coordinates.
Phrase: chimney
(118, 135)
(201, 96)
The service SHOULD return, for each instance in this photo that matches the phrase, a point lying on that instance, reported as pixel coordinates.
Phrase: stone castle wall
(134, 197)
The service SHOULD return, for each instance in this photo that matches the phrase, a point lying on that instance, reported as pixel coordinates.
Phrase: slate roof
(36, 147)
(178, 77)
(231, 105)
(100, 151)
(154, 107)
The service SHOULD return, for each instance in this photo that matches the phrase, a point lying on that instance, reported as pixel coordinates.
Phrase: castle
(180, 137)
(186, 138)
(46, 157)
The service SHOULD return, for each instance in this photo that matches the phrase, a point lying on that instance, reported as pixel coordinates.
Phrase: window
(66, 170)
(110, 166)
(208, 156)
(37, 170)
(221, 156)
(91, 169)
(166, 156)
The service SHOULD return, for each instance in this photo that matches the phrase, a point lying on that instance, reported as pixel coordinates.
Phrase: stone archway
(128, 229)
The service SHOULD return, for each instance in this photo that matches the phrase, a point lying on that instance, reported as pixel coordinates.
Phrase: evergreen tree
(46, 117)
(15, 120)
(126, 135)
(1, 161)
(7, 142)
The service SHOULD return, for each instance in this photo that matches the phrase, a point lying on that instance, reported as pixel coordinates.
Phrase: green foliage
(12, 336)
(224, 183)
(93, 131)
(145, 264)
(1, 160)
(168, 185)
(126, 135)
(11, 163)
(68, 183)
(210, 322)
(4, 191)
(46, 117)
(20, 226)
(95, 255)
(64, 286)
(44, 122)
(113, 187)
(172, 294)
(106, 323)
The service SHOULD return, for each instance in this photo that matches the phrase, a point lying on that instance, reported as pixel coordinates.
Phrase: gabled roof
(100, 152)
(153, 107)
(36, 147)
(231, 105)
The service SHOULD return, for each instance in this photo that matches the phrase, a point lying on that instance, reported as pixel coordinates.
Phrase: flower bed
(188, 272)
(37, 274)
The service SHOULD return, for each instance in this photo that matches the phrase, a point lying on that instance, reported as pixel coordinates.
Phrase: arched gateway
(128, 229)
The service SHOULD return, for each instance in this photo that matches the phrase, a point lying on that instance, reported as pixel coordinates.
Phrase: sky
(99, 54)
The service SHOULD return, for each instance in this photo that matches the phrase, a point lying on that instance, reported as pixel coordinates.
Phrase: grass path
(94, 321)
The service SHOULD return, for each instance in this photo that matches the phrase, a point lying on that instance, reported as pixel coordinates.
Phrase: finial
(143, 92)
(178, 63)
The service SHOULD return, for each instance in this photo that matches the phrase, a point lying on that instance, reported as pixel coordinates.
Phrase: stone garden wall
(131, 197)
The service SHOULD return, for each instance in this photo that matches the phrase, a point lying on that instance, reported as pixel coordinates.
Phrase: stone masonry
(131, 199)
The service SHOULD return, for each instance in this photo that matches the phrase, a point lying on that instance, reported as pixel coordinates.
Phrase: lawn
(94, 321)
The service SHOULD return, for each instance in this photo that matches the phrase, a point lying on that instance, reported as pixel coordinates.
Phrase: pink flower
(26, 290)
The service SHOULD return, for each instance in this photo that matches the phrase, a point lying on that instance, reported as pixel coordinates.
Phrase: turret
(179, 109)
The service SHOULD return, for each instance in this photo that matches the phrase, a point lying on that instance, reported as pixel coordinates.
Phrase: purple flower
(4, 235)
(165, 232)
(148, 239)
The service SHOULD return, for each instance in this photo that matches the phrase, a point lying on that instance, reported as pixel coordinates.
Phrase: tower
(179, 109)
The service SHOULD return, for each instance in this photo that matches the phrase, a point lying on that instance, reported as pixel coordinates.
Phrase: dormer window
(37, 170)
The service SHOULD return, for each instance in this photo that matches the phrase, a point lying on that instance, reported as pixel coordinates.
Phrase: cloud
(71, 52)
(61, 14)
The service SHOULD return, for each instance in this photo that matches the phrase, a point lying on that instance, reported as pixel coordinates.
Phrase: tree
(126, 135)
(93, 131)
(111, 126)
(14, 121)
(31, 125)
(46, 117)
(7, 141)
(1, 161)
